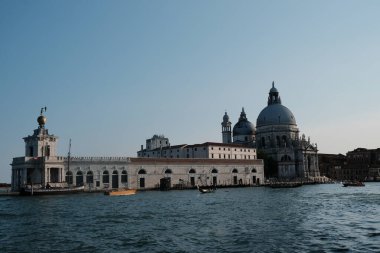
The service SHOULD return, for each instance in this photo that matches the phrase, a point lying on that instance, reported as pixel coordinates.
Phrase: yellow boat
(121, 192)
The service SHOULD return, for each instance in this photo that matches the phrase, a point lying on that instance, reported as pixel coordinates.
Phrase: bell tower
(41, 143)
(226, 129)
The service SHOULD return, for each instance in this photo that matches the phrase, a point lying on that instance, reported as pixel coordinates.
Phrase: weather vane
(43, 109)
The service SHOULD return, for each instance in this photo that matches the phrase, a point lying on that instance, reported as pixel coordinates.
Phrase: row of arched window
(124, 176)
(279, 141)
(193, 171)
(90, 176)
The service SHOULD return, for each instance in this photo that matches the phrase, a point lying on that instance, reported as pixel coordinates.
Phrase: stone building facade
(229, 165)
(276, 136)
(332, 165)
(207, 150)
(362, 164)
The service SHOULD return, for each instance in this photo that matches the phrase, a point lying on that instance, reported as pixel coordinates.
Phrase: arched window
(90, 177)
(142, 171)
(263, 142)
(254, 170)
(192, 171)
(286, 158)
(106, 177)
(79, 178)
(115, 172)
(234, 171)
(168, 171)
(284, 139)
(69, 177)
(124, 176)
(214, 171)
(278, 141)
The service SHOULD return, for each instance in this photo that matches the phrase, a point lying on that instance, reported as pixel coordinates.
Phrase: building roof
(195, 161)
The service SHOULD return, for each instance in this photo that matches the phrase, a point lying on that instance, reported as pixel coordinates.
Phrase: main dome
(243, 126)
(275, 113)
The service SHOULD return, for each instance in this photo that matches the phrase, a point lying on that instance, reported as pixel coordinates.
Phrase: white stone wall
(246, 172)
(41, 142)
(232, 152)
(157, 141)
(212, 151)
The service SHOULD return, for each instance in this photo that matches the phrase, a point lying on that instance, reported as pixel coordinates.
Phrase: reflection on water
(315, 218)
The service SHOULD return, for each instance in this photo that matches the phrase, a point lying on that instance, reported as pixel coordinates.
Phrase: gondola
(206, 188)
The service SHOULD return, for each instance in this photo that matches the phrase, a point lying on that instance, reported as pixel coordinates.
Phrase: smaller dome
(243, 126)
(41, 120)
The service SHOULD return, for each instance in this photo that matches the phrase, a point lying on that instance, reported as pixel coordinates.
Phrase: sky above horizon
(114, 73)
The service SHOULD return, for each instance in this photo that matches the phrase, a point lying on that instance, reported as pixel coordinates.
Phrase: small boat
(353, 183)
(206, 189)
(121, 192)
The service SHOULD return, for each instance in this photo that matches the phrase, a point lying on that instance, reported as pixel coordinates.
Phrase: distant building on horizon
(332, 165)
(362, 164)
(359, 164)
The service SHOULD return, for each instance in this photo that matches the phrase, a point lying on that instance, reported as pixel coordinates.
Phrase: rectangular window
(124, 178)
(142, 182)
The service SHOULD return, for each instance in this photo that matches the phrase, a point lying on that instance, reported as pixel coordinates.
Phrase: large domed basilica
(276, 136)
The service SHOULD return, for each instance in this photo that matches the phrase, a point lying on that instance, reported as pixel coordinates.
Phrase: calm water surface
(315, 218)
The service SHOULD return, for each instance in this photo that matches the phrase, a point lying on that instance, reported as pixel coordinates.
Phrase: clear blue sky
(113, 73)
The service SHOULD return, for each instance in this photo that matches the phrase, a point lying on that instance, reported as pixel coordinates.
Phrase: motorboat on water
(121, 192)
(353, 183)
